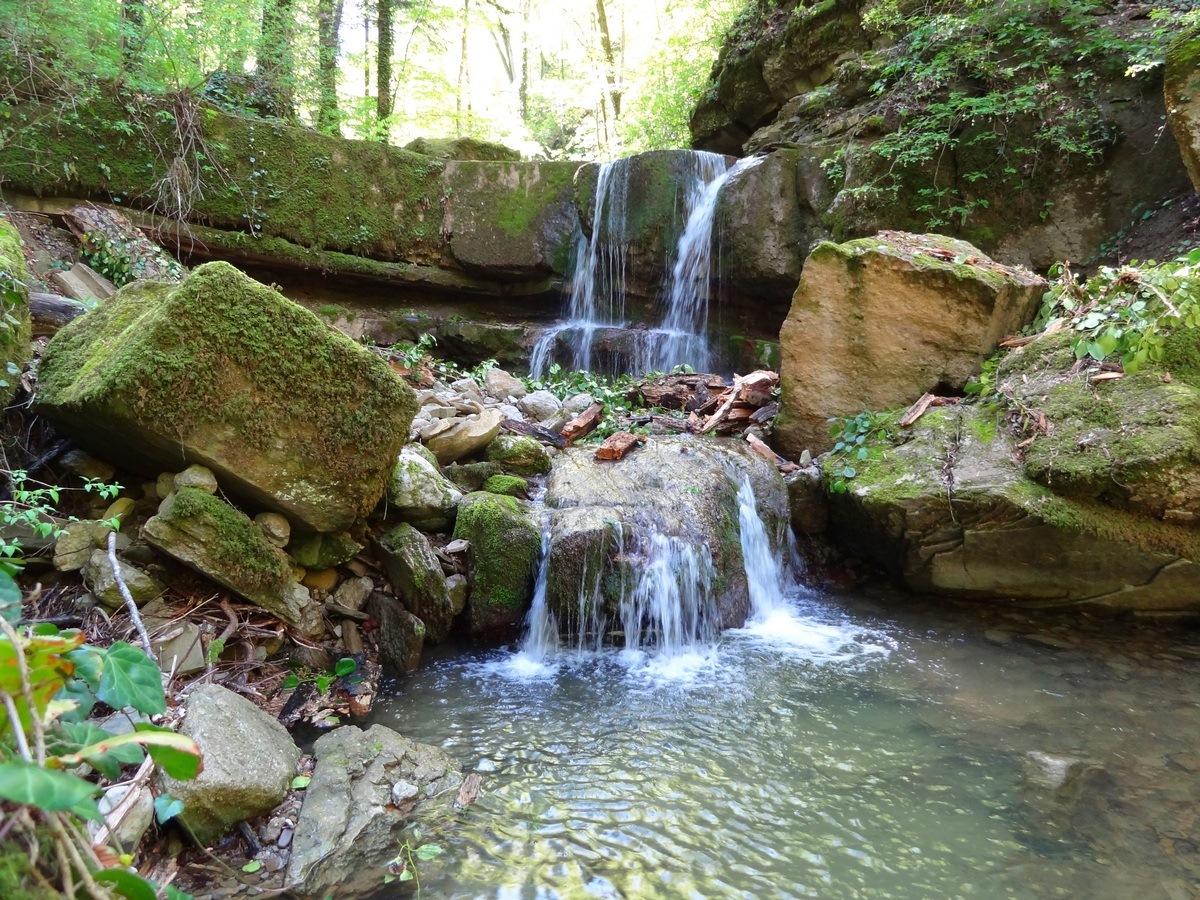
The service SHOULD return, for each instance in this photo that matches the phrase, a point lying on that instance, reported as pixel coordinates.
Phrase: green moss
(241, 548)
(14, 303)
(17, 878)
(519, 455)
(505, 542)
(518, 212)
(323, 551)
(509, 485)
(1181, 354)
(471, 476)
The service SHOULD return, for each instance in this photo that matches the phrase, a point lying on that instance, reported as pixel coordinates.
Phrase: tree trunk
(523, 90)
(276, 63)
(610, 61)
(464, 79)
(329, 22)
(384, 101)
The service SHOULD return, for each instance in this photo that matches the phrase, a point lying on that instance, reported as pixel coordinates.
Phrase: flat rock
(465, 437)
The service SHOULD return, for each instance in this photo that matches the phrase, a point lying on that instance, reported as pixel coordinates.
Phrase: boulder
(249, 762)
(74, 546)
(949, 511)
(276, 528)
(14, 303)
(610, 521)
(499, 385)
(463, 148)
(878, 321)
(289, 414)
(1181, 87)
(518, 454)
(418, 493)
(418, 580)
(505, 538)
(465, 436)
(366, 787)
(207, 534)
(98, 576)
(323, 551)
(401, 634)
(541, 406)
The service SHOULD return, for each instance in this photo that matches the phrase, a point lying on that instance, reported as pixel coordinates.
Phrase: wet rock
(499, 385)
(470, 477)
(209, 535)
(323, 551)
(98, 576)
(401, 634)
(505, 538)
(456, 588)
(83, 464)
(877, 322)
(541, 406)
(1181, 86)
(249, 762)
(806, 501)
(358, 802)
(464, 437)
(277, 528)
(417, 578)
(519, 455)
(418, 493)
(306, 422)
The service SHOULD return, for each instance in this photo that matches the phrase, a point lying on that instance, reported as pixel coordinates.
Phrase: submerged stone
(220, 370)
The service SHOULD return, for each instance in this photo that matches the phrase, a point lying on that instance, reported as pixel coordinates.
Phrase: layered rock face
(877, 322)
(220, 370)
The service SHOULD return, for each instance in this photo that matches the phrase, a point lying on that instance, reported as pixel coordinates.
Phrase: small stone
(74, 546)
(197, 477)
(540, 406)
(403, 790)
(165, 485)
(178, 647)
(77, 462)
(806, 459)
(573, 406)
(456, 586)
(501, 385)
(321, 580)
(276, 527)
(457, 546)
(98, 576)
(285, 838)
(353, 592)
(126, 826)
(100, 539)
(323, 551)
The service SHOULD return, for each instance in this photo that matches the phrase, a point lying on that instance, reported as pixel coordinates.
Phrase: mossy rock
(949, 511)
(509, 485)
(323, 551)
(471, 476)
(418, 493)
(463, 148)
(207, 534)
(220, 370)
(518, 454)
(505, 538)
(418, 580)
(14, 303)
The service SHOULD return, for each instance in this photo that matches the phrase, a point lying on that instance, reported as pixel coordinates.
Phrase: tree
(464, 75)
(329, 23)
(276, 59)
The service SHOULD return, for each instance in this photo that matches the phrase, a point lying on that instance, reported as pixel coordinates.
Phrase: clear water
(831, 749)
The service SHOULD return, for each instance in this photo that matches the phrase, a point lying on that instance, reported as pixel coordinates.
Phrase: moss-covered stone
(418, 493)
(463, 148)
(471, 477)
(207, 534)
(1181, 86)
(509, 485)
(221, 370)
(505, 538)
(14, 304)
(418, 580)
(518, 454)
(323, 550)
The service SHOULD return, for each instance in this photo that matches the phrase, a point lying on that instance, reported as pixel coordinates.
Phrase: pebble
(322, 580)
(277, 528)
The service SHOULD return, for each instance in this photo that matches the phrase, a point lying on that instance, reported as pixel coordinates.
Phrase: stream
(851, 747)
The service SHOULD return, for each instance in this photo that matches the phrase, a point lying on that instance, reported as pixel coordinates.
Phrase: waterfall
(766, 573)
(541, 635)
(598, 283)
(671, 607)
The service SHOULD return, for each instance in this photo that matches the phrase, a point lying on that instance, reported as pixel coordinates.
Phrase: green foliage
(612, 392)
(854, 434)
(403, 866)
(344, 667)
(1126, 313)
(31, 506)
(122, 262)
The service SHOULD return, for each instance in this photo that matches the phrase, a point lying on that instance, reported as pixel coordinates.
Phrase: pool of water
(839, 749)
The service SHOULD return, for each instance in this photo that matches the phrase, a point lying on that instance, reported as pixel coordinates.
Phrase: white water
(599, 265)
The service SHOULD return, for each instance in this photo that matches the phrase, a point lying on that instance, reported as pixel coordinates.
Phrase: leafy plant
(49, 682)
(344, 666)
(853, 435)
(32, 506)
(403, 866)
(612, 392)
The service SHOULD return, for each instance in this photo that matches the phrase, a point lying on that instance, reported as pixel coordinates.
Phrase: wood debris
(468, 791)
(927, 402)
(584, 423)
(618, 445)
(748, 394)
(770, 455)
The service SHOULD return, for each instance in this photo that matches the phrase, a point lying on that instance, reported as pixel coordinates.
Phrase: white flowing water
(598, 284)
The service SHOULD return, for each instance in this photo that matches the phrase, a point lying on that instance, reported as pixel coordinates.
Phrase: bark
(276, 60)
(584, 423)
(610, 60)
(329, 22)
(384, 102)
(463, 103)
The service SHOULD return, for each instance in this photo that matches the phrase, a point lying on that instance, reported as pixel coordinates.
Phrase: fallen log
(101, 229)
(618, 445)
(584, 423)
(753, 390)
(767, 453)
(50, 312)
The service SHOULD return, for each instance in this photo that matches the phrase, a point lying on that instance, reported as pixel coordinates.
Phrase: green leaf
(23, 782)
(131, 678)
(300, 782)
(428, 851)
(178, 755)
(291, 681)
(344, 667)
(166, 808)
(127, 884)
(10, 599)
(406, 875)
(88, 663)
(174, 893)
(253, 866)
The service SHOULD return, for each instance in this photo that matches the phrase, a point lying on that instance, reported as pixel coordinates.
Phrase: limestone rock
(207, 534)
(456, 587)
(289, 414)
(605, 513)
(401, 634)
(418, 493)
(505, 538)
(519, 455)
(1181, 85)
(541, 406)
(877, 322)
(418, 580)
(249, 762)
(199, 477)
(806, 501)
(353, 592)
(323, 551)
(353, 811)
(499, 385)
(277, 528)
(98, 576)
(465, 437)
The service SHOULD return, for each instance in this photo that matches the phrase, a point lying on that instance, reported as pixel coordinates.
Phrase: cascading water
(766, 571)
(541, 636)
(671, 607)
(597, 292)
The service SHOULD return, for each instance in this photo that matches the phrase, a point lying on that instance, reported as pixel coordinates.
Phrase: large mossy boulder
(878, 321)
(207, 534)
(15, 325)
(249, 763)
(950, 511)
(417, 578)
(366, 788)
(220, 370)
(1181, 86)
(505, 538)
(610, 521)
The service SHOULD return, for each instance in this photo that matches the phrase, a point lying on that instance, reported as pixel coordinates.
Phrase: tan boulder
(878, 321)
(1181, 89)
